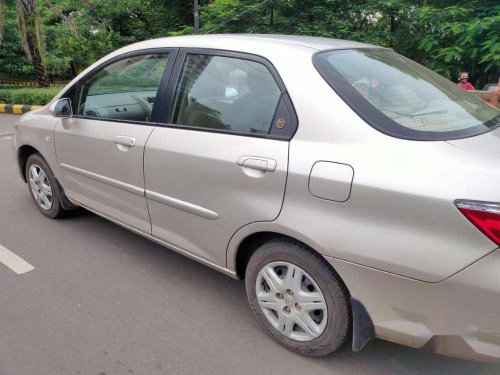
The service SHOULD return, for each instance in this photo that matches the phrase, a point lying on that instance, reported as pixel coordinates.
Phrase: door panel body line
(188, 163)
(182, 205)
(192, 167)
(206, 262)
(102, 158)
(109, 181)
(95, 172)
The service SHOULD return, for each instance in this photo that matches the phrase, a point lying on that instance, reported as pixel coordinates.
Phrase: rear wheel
(298, 298)
(43, 186)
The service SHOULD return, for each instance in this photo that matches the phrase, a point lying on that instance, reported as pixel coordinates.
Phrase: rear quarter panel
(400, 216)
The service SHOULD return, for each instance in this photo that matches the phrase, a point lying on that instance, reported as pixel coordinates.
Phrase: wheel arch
(242, 249)
(23, 153)
(245, 242)
(248, 246)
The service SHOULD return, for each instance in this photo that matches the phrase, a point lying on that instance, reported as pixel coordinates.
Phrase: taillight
(484, 215)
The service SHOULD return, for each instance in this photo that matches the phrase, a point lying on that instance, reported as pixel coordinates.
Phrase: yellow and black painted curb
(27, 83)
(17, 109)
(18, 83)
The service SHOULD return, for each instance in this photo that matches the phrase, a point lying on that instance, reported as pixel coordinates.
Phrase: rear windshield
(402, 98)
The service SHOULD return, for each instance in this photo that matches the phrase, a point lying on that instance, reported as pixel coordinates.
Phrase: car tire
(283, 256)
(50, 206)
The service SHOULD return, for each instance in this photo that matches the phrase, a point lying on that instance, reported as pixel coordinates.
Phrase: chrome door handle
(125, 141)
(256, 162)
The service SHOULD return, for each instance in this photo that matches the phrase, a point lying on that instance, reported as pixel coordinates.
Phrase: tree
(31, 35)
(444, 35)
(459, 35)
(30, 29)
(103, 26)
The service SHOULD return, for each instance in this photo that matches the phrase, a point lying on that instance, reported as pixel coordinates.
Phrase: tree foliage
(32, 38)
(30, 33)
(445, 35)
(465, 35)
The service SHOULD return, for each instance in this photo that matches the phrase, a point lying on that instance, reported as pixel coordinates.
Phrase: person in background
(463, 81)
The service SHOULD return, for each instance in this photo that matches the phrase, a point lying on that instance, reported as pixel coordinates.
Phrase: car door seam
(260, 221)
(144, 177)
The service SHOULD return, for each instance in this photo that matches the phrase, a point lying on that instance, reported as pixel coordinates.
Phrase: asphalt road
(7, 122)
(102, 300)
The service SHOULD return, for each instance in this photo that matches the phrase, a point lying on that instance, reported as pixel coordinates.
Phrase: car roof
(229, 41)
(275, 47)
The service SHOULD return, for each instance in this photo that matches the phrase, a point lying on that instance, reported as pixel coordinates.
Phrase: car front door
(100, 149)
(220, 159)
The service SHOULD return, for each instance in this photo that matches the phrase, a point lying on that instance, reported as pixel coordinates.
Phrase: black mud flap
(65, 203)
(363, 330)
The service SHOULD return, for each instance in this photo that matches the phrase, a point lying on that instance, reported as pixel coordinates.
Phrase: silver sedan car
(355, 191)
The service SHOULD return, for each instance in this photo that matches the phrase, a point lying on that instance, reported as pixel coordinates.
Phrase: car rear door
(219, 161)
(100, 149)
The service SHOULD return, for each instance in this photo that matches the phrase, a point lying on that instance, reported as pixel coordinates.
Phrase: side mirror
(61, 108)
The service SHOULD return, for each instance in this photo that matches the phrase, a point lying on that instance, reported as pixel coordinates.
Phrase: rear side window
(123, 90)
(225, 93)
(402, 98)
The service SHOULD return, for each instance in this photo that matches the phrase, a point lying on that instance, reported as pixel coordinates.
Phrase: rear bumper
(458, 317)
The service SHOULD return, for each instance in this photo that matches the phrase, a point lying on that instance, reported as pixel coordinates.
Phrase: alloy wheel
(40, 187)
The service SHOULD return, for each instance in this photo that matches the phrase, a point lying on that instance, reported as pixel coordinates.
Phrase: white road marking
(14, 262)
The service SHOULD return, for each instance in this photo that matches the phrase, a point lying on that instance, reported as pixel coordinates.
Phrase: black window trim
(374, 117)
(168, 97)
(172, 54)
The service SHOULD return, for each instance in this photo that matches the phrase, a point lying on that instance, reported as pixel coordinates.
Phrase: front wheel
(298, 298)
(43, 186)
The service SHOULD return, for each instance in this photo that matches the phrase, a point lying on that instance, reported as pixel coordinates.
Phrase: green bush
(28, 95)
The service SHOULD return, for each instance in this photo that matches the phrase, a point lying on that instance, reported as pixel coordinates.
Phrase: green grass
(27, 95)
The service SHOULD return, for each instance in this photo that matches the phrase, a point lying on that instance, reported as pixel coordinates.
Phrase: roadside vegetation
(51, 40)
(27, 95)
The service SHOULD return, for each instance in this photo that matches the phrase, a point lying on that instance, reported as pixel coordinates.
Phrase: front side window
(402, 98)
(124, 90)
(225, 93)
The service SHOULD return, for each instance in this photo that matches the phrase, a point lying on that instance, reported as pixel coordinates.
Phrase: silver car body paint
(235, 194)
(392, 232)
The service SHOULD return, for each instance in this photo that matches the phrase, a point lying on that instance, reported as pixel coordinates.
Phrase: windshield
(402, 98)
